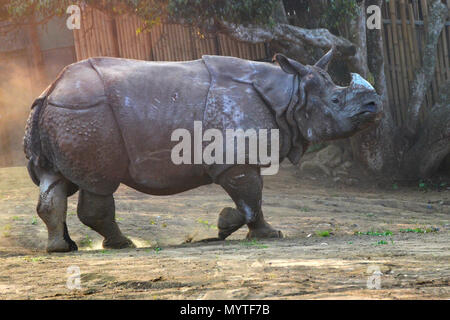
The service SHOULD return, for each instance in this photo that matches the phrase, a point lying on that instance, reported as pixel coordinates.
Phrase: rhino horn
(289, 65)
(325, 60)
(359, 82)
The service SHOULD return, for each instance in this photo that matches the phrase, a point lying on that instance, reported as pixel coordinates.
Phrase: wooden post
(407, 41)
(413, 37)
(111, 24)
(397, 59)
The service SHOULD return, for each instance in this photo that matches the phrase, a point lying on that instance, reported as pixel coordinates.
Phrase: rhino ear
(325, 60)
(289, 65)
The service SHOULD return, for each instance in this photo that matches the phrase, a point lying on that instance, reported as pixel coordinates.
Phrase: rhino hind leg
(244, 185)
(98, 213)
(52, 209)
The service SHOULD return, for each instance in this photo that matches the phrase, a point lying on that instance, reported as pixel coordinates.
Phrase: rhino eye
(335, 100)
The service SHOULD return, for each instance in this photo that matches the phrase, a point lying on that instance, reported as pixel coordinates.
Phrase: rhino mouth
(366, 115)
(368, 109)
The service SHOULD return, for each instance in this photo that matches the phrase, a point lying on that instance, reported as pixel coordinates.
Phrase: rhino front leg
(52, 209)
(244, 185)
(98, 213)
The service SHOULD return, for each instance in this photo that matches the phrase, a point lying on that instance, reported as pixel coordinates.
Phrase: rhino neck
(282, 95)
(299, 143)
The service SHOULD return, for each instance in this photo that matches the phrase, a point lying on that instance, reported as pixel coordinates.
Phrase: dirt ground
(341, 242)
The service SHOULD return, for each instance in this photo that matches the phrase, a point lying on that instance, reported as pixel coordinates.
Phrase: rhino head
(328, 111)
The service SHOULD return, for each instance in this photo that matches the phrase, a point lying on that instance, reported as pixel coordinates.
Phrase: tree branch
(281, 32)
(11, 26)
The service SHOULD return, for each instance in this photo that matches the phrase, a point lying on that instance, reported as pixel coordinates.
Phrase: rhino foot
(118, 244)
(61, 245)
(230, 220)
(264, 232)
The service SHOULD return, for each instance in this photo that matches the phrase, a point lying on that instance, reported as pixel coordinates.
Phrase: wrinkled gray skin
(106, 121)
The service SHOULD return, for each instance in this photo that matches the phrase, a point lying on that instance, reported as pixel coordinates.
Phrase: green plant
(157, 249)
(254, 243)
(419, 230)
(338, 14)
(374, 233)
(7, 231)
(34, 221)
(33, 259)
(324, 233)
(86, 241)
(207, 224)
(371, 78)
(422, 186)
(199, 12)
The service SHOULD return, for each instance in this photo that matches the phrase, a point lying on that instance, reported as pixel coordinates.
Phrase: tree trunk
(359, 38)
(423, 78)
(433, 144)
(374, 147)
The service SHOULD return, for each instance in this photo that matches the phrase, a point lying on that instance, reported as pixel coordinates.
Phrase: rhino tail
(32, 139)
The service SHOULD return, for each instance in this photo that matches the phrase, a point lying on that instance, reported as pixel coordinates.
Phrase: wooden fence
(404, 30)
(102, 36)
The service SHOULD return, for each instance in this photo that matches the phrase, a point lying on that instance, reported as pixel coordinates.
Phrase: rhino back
(77, 87)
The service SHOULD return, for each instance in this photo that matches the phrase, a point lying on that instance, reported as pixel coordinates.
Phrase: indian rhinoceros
(106, 121)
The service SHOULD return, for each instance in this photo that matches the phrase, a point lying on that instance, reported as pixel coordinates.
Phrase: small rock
(340, 172)
(350, 181)
(347, 164)
(324, 225)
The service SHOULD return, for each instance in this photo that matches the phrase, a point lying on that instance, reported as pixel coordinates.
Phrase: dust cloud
(16, 97)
